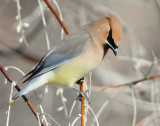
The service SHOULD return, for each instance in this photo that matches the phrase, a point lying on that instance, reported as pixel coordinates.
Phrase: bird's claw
(82, 94)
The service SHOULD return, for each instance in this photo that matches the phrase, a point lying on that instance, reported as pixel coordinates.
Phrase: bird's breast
(67, 74)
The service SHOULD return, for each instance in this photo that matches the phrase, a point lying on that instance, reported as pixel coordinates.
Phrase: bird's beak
(114, 49)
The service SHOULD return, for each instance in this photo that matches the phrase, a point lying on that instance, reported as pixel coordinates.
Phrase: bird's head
(107, 31)
(114, 33)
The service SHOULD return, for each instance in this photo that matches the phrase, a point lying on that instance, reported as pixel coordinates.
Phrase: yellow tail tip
(10, 102)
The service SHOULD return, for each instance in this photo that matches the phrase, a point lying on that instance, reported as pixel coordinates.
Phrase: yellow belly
(67, 74)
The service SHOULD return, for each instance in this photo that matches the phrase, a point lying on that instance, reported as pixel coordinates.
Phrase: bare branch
(18, 89)
(82, 103)
(57, 16)
(132, 83)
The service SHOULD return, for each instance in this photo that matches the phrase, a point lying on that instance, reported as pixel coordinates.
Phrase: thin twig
(57, 16)
(86, 102)
(15, 68)
(18, 89)
(82, 103)
(75, 120)
(132, 83)
(70, 113)
(9, 107)
(45, 114)
(21, 25)
(94, 115)
(64, 102)
(44, 24)
(60, 14)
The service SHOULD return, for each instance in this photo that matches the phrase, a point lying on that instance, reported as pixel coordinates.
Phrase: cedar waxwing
(78, 54)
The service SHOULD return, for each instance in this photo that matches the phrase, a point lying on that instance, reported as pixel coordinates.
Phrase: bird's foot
(82, 94)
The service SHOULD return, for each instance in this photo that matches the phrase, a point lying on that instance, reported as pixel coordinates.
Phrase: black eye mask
(111, 40)
(110, 43)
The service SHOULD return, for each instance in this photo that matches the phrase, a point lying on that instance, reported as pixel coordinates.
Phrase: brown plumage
(76, 55)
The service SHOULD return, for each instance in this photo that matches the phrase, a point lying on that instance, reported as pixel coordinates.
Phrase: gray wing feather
(68, 48)
(57, 59)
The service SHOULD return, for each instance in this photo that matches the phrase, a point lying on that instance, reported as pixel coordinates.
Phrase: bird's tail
(22, 92)
(32, 85)
(15, 97)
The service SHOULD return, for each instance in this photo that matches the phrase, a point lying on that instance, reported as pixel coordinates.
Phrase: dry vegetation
(28, 29)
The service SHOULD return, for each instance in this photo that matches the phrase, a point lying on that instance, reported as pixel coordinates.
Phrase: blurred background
(138, 58)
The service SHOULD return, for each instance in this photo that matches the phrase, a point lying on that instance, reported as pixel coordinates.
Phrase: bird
(75, 56)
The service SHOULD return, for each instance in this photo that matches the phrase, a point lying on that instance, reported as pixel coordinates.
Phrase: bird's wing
(70, 47)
